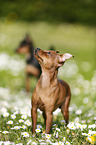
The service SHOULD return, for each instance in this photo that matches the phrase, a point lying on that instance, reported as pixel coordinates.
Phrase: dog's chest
(41, 104)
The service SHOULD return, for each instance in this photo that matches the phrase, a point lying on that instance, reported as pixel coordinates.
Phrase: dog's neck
(48, 79)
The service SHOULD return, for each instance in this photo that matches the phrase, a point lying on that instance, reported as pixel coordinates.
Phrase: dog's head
(51, 59)
(25, 46)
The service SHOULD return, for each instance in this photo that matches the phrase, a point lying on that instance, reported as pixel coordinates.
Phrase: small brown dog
(50, 93)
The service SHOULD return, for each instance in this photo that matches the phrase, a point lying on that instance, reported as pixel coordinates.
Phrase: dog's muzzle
(36, 50)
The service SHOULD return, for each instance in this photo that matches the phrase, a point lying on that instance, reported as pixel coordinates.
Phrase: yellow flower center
(72, 126)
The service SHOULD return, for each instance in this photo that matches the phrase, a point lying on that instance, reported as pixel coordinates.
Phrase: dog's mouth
(39, 57)
(36, 53)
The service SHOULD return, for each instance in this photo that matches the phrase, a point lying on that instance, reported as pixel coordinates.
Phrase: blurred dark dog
(33, 68)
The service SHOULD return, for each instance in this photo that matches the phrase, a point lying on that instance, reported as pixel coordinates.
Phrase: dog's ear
(28, 38)
(57, 51)
(64, 57)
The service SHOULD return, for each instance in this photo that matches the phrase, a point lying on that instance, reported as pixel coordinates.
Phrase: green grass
(79, 72)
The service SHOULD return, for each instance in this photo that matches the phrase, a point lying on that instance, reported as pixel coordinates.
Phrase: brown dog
(50, 93)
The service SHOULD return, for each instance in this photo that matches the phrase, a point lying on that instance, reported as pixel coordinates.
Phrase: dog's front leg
(49, 117)
(34, 118)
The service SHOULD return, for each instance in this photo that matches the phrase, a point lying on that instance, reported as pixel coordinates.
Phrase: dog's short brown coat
(50, 93)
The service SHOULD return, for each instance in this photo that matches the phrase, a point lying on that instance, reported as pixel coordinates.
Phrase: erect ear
(28, 38)
(64, 57)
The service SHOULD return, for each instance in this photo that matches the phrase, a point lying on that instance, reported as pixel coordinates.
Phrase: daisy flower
(47, 136)
(28, 124)
(71, 126)
(76, 119)
(78, 112)
(57, 129)
(8, 143)
(16, 112)
(78, 125)
(85, 134)
(92, 126)
(64, 139)
(10, 122)
(23, 126)
(38, 130)
(6, 114)
(94, 118)
(26, 121)
(60, 143)
(91, 132)
(67, 143)
(17, 127)
(83, 126)
(25, 134)
(23, 116)
(13, 116)
(21, 120)
(62, 121)
(5, 132)
(39, 126)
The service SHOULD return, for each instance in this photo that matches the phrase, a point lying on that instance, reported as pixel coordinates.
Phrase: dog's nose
(36, 50)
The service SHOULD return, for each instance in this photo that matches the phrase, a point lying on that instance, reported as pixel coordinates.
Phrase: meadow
(79, 72)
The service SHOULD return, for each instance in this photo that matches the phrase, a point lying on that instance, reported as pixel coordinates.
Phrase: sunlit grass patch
(19, 131)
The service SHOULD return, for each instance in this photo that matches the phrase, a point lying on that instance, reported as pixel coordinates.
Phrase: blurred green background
(72, 11)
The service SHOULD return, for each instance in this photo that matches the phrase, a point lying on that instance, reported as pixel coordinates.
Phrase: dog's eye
(48, 53)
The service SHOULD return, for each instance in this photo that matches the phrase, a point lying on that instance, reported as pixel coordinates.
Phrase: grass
(79, 72)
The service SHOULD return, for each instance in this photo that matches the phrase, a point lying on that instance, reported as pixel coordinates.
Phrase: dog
(33, 68)
(50, 93)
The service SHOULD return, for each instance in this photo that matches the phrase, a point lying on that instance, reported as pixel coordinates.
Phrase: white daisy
(21, 120)
(10, 122)
(5, 132)
(23, 127)
(6, 114)
(71, 126)
(28, 124)
(23, 116)
(67, 143)
(78, 112)
(39, 126)
(16, 112)
(25, 134)
(64, 139)
(47, 136)
(58, 129)
(26, 121)
(17, 127)
(13, 116)
(38, 130)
